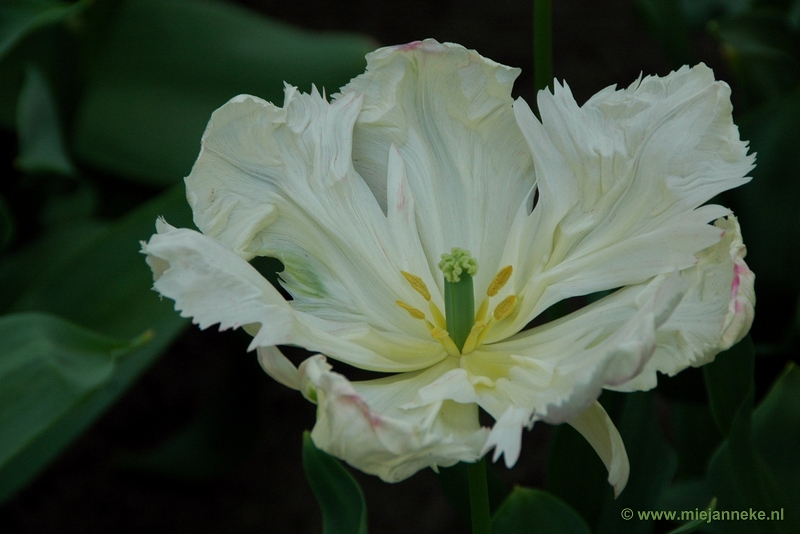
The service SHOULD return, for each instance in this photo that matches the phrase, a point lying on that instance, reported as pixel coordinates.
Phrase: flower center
(460, 330)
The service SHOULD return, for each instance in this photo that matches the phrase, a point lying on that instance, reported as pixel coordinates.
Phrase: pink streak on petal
(410, 46)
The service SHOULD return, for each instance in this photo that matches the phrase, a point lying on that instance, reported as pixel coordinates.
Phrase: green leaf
(532, 510)
(105, 286)
(738, 473)
(729, 381)
(48, 368)
(41, 145)
(776, 432)
(697, 523)
(338, 494)
(166, 65)
(653, 464)
(772, 132)
(575, 473)
(20, 17)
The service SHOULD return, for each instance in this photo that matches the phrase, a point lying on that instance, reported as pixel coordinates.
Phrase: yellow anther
(414, 312)
(444, 338)
(472, 339)
(500, 279)
(438, 318)
(505, 308)
(418, 285)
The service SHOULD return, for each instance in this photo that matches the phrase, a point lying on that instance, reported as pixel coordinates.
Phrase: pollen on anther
(505, 308)
(500, 280)
(418, 285)
(414, 312)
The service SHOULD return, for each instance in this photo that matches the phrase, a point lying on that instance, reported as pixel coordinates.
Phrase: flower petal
(363, 423)
(716, 312)
(506, 435)
(596, 426)
(448, 112)
(280, 182)
(620, 181)
(623, 341)
(213, 285)
(278, 366)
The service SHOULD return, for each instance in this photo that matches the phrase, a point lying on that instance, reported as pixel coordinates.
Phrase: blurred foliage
(108, 100)
(340, 498)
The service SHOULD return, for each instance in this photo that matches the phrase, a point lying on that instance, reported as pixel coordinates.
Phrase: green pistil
(456, 263)
(458, 268)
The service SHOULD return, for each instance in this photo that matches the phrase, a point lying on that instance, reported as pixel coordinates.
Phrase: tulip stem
(542, 44)
(479, 498)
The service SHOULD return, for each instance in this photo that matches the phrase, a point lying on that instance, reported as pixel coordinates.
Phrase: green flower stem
(542, 44)
(479, 498)
(459, 309)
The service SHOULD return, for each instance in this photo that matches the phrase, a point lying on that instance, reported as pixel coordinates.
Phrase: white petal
(620, 182)
(623, 341)
(213, 285)
(278, 366)
(715, 313)
(557, 370)
(362, 422)
(596, 426)
(280, 182)
(506, 435)
(448, 112)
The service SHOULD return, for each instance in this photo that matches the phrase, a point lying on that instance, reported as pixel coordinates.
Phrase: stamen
(444, 338)
(472, 339)
(482, 310)
(418, 285)
(500, 279)
(505, 308)
(414, 312)
(438, 318)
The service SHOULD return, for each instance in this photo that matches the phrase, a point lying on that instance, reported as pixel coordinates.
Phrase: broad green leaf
(20, 17)
(43, 258)
(104, 286)
(776, 433)
(738, 474)
(772, 132)
(653, 464)
(729, 381)
(531, 510)
(41, 146)
(338, 494)
(575, 473)
(107, 286)
(48, 368)
(695, 525)
(166, 65)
